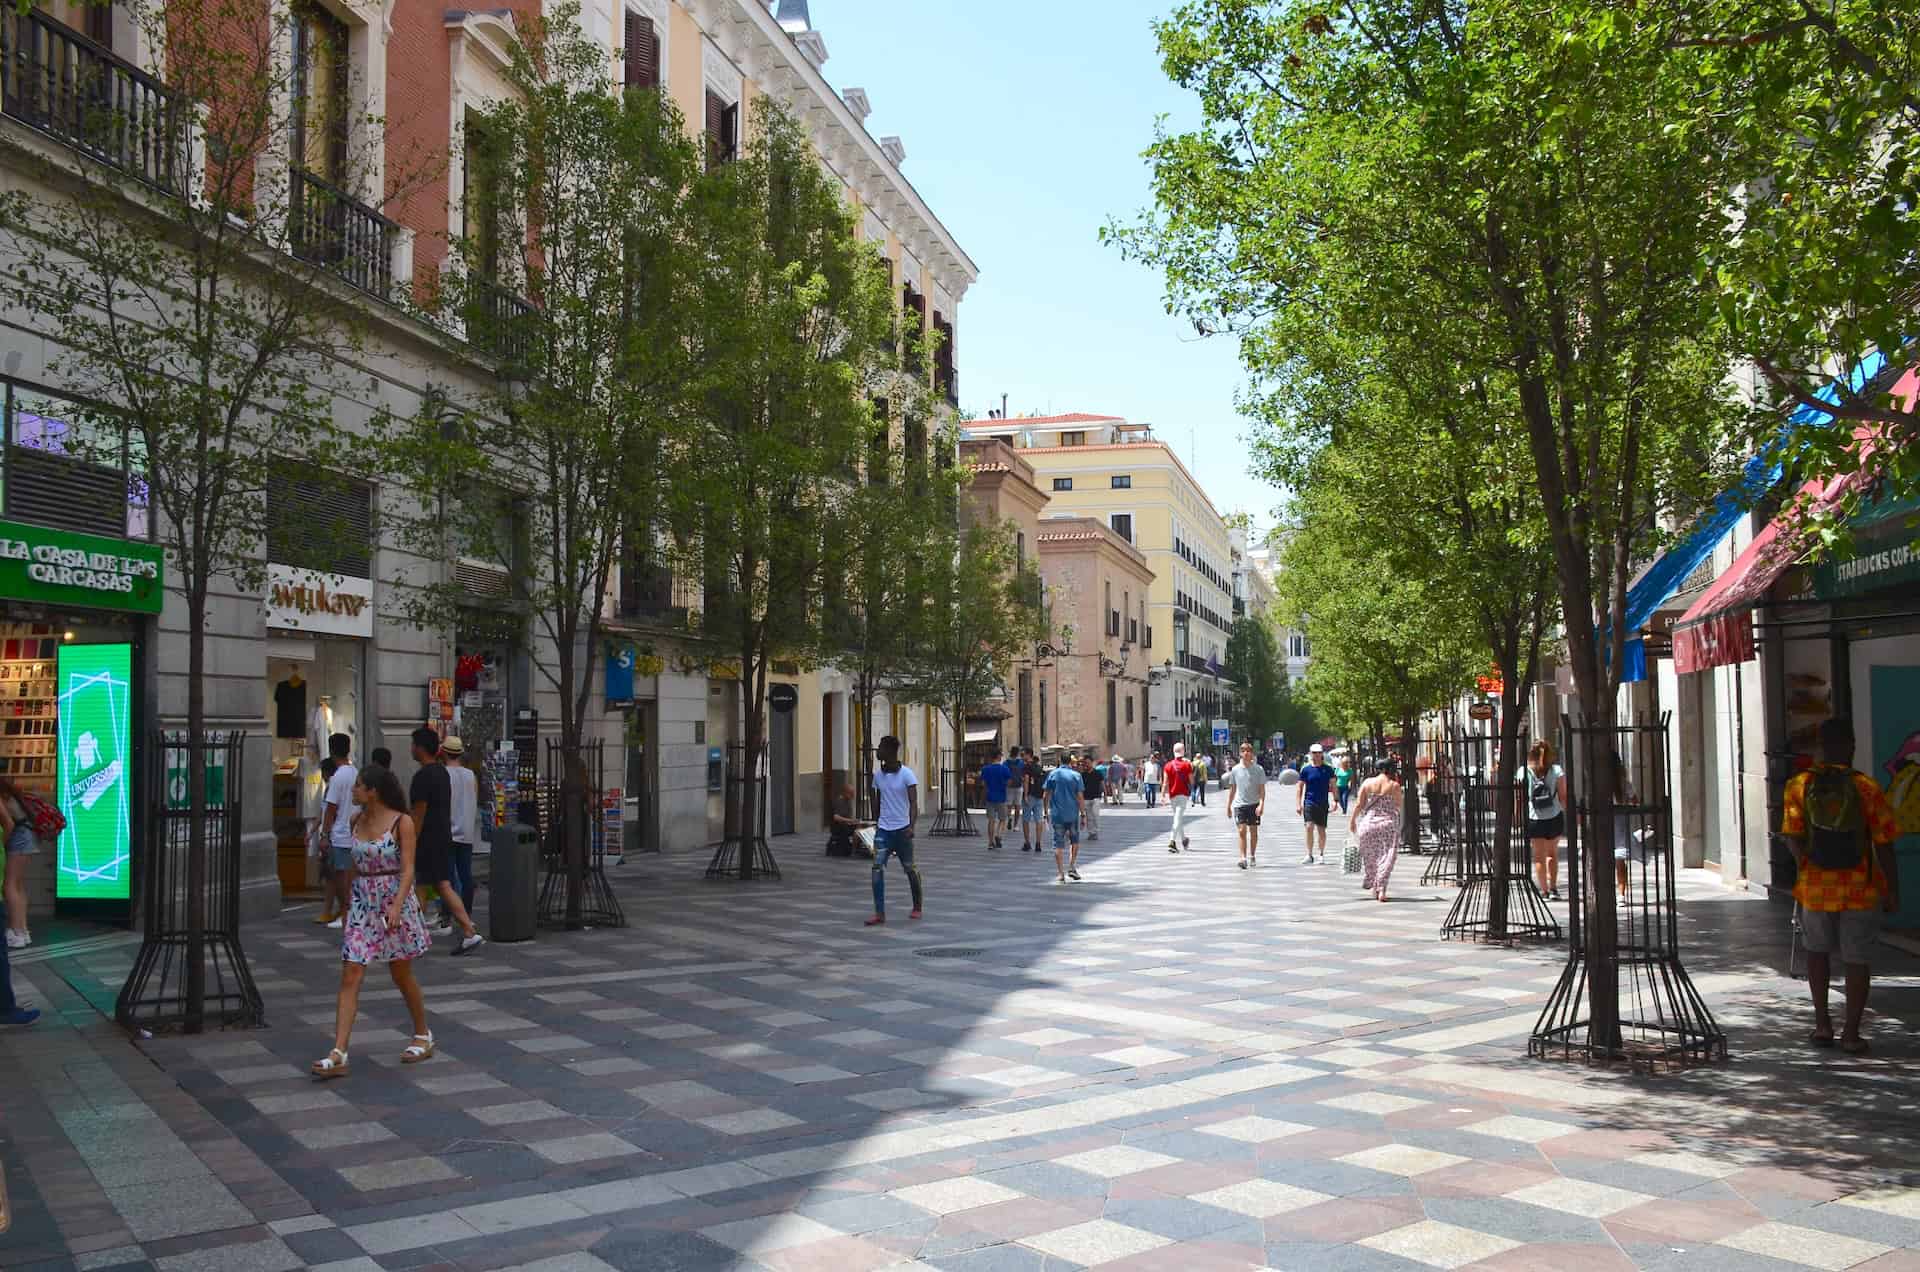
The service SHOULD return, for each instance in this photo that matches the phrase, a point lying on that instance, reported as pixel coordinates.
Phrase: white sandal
(331, 1067)
(421, 1048)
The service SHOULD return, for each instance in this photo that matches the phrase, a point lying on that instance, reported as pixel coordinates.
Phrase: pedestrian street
(1173, 1064)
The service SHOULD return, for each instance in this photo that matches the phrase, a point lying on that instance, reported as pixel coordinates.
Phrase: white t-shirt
(1536, 786)
(340, 795)
(1150, 774)
(1249, 781)
(466, 804)
(893, 796)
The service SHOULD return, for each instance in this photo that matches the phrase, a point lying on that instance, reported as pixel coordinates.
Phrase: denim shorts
(1065, 833)
(1032, 807)
(22, 842)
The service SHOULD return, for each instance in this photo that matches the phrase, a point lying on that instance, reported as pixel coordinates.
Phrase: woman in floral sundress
(1375, 824)
(383, 917)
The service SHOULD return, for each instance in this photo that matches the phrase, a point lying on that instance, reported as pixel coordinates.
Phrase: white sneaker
(17, 940)
(337, 924)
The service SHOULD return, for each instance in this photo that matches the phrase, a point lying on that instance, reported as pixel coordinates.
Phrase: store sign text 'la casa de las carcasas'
(327, 604)
(63, 567)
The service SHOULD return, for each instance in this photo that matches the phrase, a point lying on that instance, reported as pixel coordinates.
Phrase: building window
(723, 130)
(1019, 551)
(1123, 481)
(73, 467)
(1123, 525)
(1144, 719)
(642, 52)
(1113, 722)
(1043, 712)
(1129, 710)
(320, 93)
(1073, 439)
(1147, 632)
(1063, 483)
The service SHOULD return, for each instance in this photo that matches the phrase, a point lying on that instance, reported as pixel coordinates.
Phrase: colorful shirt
(1855, 888)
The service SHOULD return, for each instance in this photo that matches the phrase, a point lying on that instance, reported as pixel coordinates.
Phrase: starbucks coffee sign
(63, 567)
(324, 604)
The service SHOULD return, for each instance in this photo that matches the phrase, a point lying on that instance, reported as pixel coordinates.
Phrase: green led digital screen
(95, 772)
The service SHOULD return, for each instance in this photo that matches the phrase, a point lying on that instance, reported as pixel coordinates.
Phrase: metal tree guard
(598, 905)
(953, 817)
(743, 851)
(1486, 871)
(1446, 804)
(160, 993)
(1662, 1017)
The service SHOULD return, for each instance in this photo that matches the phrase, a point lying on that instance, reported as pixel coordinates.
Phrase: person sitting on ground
(840, 834)
(1841, 830)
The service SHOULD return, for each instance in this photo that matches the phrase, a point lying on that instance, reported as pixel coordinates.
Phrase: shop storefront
(74, 617)
(319, 626)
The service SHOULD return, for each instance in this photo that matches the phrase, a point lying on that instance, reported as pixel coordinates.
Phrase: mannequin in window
(290, 706)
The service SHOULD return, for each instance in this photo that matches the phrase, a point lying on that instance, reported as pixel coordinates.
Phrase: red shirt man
(1178, 776)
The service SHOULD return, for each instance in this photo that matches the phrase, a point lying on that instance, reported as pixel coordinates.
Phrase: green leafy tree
(1253, 664)
(1521, 176)
(765, 464)
(1819, 105)
(201, 310)
(982, 618)
(554, 470)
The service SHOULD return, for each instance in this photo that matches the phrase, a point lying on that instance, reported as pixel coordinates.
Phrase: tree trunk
(197, 846)
(752, 672)
(1409, 789)
(1504, 760)
(574, 828)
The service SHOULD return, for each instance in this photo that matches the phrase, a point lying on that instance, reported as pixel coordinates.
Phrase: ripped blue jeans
(893, 843)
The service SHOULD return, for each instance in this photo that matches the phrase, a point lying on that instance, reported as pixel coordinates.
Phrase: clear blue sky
(1024, 124)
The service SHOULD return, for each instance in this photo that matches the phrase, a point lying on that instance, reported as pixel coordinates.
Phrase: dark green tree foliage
(1253, 664)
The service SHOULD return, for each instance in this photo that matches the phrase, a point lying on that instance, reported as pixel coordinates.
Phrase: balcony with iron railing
(500, 323)
(56, 80)
(330, 227)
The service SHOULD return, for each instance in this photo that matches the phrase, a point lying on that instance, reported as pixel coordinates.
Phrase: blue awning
(1664, 577)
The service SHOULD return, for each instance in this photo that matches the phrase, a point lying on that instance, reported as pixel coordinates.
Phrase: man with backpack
(1841, 829)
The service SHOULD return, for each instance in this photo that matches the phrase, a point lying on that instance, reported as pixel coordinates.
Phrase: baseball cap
(1316, 749)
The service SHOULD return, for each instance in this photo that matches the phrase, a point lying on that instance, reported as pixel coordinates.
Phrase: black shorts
(1552, 828)
(1247, 814)
(432, 865)
(1315, 814)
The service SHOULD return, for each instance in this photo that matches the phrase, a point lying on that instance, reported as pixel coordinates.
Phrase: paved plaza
(1174, 1064)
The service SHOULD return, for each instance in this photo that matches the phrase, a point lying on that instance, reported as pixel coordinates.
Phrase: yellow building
(1103, 466)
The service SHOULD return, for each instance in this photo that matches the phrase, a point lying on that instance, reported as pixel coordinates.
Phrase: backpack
(1542, 789)
(42, 816)
(1836, 822)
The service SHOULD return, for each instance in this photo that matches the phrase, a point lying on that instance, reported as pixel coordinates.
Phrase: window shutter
(716, 125)
(730, 131)
(654, 76)
(642, 52)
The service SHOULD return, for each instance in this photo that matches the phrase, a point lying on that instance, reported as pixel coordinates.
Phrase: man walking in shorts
(1017, 766)
(994, 778)
(1314, 800)
(1178, 779)
(1066, 801)
(1032, 812)
(1841, 829)
(432, 796)
(1092, 783)
(1247, 794)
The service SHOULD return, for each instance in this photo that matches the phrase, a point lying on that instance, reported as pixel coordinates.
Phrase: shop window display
(309, 698)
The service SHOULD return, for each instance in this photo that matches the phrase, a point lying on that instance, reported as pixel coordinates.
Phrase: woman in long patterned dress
(383, 917)
(1375, 824)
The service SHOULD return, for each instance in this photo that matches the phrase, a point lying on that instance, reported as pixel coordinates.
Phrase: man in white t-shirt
(336, 829)
(898, 792)
(466, 822)
(1247, 783)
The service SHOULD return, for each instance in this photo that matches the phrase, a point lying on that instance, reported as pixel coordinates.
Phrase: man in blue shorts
(1066, 801)
(1016, 765)
(994, 778)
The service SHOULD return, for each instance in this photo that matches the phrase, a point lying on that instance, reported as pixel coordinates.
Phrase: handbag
(1351, 862)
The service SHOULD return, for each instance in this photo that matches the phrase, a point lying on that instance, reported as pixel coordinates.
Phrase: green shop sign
(61, 567)
(1886, 552)
(96, 704)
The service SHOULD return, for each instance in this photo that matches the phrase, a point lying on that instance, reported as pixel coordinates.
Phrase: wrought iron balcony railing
(57, 80)
(330, 227)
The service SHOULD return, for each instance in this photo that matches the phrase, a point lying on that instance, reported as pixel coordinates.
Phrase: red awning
(1717, 629)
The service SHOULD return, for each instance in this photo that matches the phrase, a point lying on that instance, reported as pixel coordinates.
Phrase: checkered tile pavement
(1173, 1064)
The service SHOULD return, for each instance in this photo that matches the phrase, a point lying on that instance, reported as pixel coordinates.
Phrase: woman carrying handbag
(1375, 826)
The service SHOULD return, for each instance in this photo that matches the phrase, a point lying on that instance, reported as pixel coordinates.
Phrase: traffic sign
(1480, 711)
(1222, 734)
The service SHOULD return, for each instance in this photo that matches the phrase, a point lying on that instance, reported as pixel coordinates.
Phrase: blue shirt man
(1064, 792)
(1315, 780)
(1314, 800)
(995, 777)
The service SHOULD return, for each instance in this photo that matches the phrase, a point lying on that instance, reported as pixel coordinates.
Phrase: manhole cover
(950, 951)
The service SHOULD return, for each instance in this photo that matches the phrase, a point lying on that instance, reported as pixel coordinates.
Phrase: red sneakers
(915, 914)
(876, 920)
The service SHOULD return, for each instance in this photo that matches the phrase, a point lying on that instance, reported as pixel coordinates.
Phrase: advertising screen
(95, 772)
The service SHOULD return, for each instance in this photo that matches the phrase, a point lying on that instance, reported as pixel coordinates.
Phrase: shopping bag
(1352, 862)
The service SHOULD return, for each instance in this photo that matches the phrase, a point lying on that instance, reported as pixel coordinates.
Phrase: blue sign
(1222, 733)
(619, 675)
